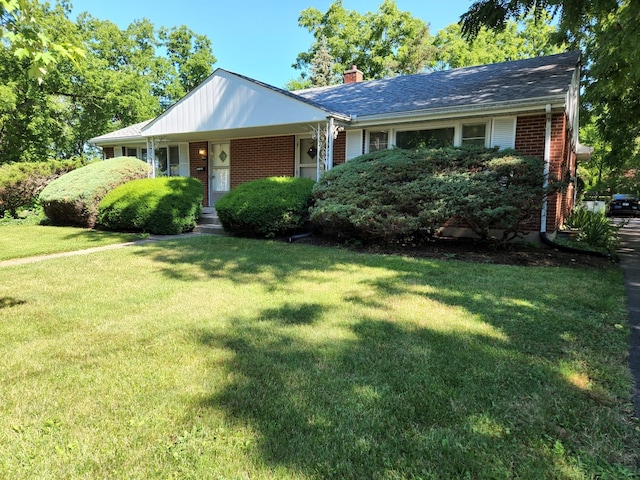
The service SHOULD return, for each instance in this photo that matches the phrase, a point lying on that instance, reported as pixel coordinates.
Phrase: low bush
(22, 182)
(397, 194)
(163, 206)
(266, 207)
(73, 198)
(595, 230)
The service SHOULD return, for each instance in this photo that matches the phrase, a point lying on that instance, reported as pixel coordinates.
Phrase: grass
(214, 357)
(20, 241)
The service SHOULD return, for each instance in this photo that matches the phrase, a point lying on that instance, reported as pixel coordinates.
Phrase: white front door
(219, 171)
(307, 158)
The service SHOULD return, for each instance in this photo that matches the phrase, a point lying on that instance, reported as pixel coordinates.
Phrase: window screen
(435, 137)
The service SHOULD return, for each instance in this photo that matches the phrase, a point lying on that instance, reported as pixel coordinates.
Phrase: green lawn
(213, 357)
(19, 241)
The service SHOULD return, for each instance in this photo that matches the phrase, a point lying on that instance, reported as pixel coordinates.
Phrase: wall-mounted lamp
(203, 153)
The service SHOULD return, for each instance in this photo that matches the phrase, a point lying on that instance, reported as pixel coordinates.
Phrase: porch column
(151, 156)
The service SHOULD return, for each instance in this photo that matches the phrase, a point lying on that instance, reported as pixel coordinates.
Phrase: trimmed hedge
(163, 206)
(22, 182)
(397, 194)
(73, 198)
(266, 207)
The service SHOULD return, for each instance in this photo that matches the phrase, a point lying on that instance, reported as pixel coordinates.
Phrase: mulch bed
(523, 254)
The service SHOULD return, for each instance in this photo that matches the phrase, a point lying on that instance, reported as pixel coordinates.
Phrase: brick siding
(108, 152)
(530, 135)
(254, 158)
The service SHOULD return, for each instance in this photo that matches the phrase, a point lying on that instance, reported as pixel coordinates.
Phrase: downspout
(547, 167)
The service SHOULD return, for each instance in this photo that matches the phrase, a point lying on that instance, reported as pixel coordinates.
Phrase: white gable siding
(354, 144)
(226, 101)
(503, 132)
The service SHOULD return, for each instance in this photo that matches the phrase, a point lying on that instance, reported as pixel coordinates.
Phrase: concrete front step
(209, 229)
(209, 219)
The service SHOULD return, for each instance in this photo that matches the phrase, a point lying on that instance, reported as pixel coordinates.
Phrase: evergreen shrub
(266, 207)
(73, 198)
(397, 195)
(162, 206)
(22, 182)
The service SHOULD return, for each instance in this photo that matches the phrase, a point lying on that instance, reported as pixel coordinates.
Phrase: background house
(232, 129)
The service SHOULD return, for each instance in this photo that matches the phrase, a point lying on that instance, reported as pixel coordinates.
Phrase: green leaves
(397, 195)
(388, 42)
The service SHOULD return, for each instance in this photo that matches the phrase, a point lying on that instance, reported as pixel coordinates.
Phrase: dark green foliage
(20, 183)
(399, 194)
(266, 207)
(73, 198)
(163, 206)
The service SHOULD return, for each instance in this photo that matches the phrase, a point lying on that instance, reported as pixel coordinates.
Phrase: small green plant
(266, 207)
(595, 229)
(164, 206)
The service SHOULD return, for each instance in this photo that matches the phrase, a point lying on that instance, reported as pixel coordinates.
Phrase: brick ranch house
(232, 129)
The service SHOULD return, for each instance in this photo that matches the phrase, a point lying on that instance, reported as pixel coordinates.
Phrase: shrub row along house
(232, 129)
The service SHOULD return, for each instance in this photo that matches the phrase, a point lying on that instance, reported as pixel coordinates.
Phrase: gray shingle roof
(131, 132)
(473, 86)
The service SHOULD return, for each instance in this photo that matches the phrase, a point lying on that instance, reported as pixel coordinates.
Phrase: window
(168, 161)
(174, 161)
(378, 141)
(132, 152)
(474, 134)
(435, 137)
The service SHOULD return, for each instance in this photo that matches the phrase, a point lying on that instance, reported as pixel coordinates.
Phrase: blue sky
(256, 38)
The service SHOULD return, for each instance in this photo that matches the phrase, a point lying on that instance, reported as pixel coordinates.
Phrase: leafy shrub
(73, 198)
(399, 194)
(164, 206)
(266, 207)
(595, 229)
(21, 183)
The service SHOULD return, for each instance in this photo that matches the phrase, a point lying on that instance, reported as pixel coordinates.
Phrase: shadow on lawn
(398, 403)
(7, 302)
(391, 399)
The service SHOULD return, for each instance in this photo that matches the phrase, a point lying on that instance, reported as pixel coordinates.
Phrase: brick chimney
(353, 76)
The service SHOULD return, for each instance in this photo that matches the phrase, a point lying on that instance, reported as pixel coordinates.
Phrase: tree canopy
(385, 43)
(530, 37)
(608, 33)
(124, 77)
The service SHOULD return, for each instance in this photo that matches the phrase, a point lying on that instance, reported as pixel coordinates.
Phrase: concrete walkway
(630, 262)
(86, 251)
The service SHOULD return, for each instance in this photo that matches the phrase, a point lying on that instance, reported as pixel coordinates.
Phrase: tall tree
(123, 79)
(518, 40)
(388, 42)
(608, 33)
(322, 69)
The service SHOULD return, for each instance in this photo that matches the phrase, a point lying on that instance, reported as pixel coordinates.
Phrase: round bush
(266, 207)
(163, 206)
(397, 194)
(73, 198)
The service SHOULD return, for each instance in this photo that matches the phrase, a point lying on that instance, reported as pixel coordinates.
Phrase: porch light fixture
(202, 152)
